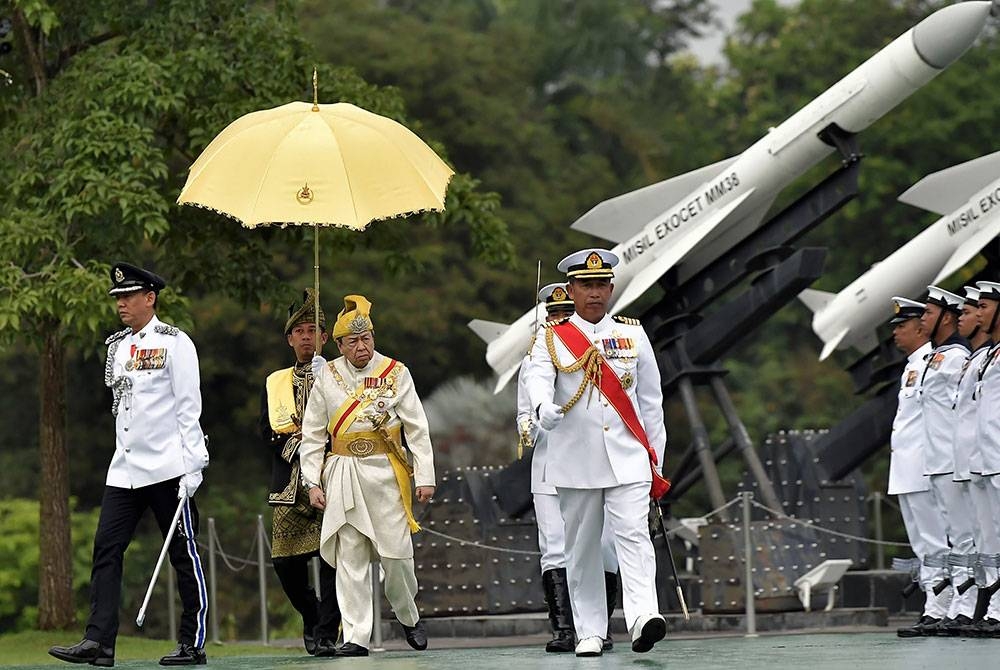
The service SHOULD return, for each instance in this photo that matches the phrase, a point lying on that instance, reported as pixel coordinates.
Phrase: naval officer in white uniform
(152, 370)
(548, 518)
(594, 385)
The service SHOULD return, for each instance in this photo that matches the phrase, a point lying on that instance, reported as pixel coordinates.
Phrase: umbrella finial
(315, 90)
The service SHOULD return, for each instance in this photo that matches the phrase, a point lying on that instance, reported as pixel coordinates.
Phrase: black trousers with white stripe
(121, 510)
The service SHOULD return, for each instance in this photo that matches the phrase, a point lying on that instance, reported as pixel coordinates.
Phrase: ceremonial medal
(129, 365)
(627, 381)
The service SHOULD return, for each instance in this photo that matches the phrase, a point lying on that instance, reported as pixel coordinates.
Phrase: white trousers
(954, 497)
(626, 508)
(552, 535)
(355, 554)
(986, 532)
(926, 528)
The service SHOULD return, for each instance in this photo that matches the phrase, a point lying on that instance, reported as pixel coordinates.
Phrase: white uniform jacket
(538, 436)
(906, 461)
(154, 378)
(967, 455)
(988, 411)
(591, 447)
(939, 383)
(362, 491)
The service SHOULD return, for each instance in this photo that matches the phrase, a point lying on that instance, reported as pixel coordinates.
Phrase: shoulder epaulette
(549, 324)
(114, 337)
(626, 320)
(166, 329)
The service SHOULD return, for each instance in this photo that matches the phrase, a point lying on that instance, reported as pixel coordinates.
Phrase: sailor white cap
(971, 295)
(944, 299)
(589, 263)
(555, 297)
(905, 309)
(988, 290)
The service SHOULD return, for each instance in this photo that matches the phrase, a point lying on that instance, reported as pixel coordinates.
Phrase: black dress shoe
(351, 649)
(919, 629)
(325, 647)
(954, 627)
(185, 654)
(562, 641)
(85, 651)
(310, 642)
(416, 636)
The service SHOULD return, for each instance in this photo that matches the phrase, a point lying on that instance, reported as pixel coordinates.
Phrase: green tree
(110, 104)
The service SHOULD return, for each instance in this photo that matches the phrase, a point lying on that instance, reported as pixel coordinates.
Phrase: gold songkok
(354, 319)
(305, 313)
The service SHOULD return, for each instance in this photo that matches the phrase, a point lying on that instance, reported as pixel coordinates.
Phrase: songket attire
(295, 529)
(366, 481)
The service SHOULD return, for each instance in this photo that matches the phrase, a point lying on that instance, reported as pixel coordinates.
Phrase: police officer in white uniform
(152, 370)
(548, 518)
(594, 385)
(968, 458)
(939, 384)
(924, 526)
(987, 395)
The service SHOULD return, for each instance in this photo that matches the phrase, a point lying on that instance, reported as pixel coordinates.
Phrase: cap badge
(594, 261)
(559, 294)
(119, 275)
(895, 307)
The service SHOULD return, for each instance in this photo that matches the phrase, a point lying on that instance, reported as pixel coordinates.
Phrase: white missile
(968, 196)
(688, 221)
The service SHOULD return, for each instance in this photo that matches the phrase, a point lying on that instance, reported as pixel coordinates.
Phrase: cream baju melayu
(365, 519)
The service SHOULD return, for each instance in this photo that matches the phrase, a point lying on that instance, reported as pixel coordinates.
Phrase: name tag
(911, 378)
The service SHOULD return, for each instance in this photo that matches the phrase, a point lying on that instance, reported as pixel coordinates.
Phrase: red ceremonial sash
(611, 388)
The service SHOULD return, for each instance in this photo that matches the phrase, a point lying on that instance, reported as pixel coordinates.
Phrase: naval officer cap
(127, 278)
(971, 296)
(555, 297)
(944, 299)
(589, 264)
(905, 309)
(988, 290)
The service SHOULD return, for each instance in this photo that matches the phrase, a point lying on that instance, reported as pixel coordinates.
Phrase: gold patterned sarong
(295, 529)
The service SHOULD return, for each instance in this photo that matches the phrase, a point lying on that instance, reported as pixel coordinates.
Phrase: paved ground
(814, 651)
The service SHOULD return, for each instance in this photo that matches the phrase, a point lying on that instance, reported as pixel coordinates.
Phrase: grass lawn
(31, 648)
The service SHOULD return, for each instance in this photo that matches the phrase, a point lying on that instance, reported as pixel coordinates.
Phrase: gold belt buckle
(361, 447)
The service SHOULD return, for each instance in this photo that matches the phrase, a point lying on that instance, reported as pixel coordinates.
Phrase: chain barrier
(229, 559)
(808, 523)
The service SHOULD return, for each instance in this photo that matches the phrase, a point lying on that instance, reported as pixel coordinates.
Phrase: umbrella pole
(319, 342)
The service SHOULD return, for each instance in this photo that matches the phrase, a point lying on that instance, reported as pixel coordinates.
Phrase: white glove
(188, 484)
(549, 415)
(317, 364)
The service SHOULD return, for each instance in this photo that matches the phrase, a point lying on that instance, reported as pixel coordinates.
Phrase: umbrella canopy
(302, 163)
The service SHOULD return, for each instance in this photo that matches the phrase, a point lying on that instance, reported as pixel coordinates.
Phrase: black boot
(611, 591)
(85, 651)
(919, 629)
(185, 654)
(560, 611)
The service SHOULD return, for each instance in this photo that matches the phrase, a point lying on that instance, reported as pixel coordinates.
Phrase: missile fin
(833, 343)
(945, 191)
(504, 379)
(488, 330)
(816, 300)
(674, 254)
(968, 250)
(621, 217)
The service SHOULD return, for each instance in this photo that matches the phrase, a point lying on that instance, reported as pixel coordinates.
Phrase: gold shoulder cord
(590, 363)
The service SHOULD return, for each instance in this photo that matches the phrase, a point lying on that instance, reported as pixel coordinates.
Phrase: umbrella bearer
(296, 524)
(938, 386)
(595, 386)
(366, 403)
(551, 531)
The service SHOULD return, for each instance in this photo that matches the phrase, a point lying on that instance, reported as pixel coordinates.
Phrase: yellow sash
(281, 401)
(346, 414)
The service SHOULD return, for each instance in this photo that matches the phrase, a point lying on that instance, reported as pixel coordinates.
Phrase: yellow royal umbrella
(319, 165)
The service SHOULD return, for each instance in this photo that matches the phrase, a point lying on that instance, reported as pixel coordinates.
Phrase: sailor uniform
(599, 468)
(368, 515)
(940, 381)
(154, 378)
